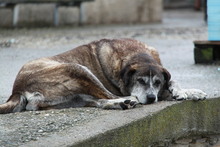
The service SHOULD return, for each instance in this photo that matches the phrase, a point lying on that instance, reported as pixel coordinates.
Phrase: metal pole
(80, 14)
(56, 15)
(15, 15)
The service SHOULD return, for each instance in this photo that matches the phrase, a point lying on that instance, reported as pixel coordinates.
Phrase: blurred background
(92, 12)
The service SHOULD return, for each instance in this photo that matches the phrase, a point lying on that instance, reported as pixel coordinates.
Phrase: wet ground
(173, 38)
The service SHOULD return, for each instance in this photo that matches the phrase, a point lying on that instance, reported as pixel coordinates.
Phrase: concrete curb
(183, 119)
(143, 126)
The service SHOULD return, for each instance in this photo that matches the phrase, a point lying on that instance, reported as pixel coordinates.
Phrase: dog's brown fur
(97, 69)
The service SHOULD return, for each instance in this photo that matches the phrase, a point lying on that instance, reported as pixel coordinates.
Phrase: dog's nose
(150, 98)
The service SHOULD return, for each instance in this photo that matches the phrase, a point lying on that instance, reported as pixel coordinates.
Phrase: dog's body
(114, 74)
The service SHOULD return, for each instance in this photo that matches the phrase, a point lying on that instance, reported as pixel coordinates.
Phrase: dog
(108, 74)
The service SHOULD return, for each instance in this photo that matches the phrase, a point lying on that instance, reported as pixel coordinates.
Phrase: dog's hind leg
(184, 94)
(72, 85)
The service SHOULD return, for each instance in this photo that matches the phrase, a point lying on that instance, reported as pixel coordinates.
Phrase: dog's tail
(16, 103)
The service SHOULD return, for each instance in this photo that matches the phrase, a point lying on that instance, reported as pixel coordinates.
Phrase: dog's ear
(167, 76)
(126, 74)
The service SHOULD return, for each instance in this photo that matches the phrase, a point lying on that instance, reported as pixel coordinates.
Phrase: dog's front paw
(179, 95)
(121, 103)
(184, 94)
(129, 103)
(196, 94)
(191, 94)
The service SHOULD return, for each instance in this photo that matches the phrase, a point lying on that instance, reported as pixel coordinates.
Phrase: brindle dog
(110, 74)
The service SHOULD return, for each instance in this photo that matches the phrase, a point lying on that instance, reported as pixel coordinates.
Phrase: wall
(97, 12)
(122, 11)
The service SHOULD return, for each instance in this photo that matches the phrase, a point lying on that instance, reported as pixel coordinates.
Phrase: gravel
(20, 128)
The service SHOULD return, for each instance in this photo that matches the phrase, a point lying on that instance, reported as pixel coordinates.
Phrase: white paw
(121, 103)
(179, 95)
(127, 104)
(196, 94)
(193, 94)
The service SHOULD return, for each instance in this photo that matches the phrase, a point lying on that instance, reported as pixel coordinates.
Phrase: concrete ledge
(143, 126)
(182, 119)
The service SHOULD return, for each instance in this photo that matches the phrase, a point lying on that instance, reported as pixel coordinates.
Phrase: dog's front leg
(184, 94)
(120, 103)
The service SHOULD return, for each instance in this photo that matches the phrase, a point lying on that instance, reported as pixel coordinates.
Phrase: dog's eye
(141, 81)
(157, 82)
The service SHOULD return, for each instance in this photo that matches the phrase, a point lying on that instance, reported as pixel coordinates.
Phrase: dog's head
(145, 81)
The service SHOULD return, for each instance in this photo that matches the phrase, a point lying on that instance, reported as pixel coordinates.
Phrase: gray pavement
(173, 38)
